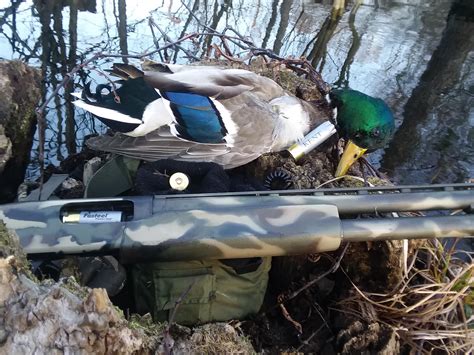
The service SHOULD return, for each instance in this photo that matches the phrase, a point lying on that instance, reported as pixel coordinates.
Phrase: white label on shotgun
(100, 217)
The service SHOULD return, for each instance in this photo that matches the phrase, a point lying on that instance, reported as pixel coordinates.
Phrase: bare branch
(333, 268)
(152, 24)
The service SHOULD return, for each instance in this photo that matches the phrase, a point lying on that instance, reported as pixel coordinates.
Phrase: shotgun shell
(312, 140)
(92, 217)
(179, 181)
(71, 217)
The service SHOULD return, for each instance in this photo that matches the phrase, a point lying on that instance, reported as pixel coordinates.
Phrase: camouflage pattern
(184, 229)
(231, 225)
(358, 230)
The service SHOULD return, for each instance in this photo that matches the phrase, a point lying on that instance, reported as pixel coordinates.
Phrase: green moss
(10, 246)
(24, 83)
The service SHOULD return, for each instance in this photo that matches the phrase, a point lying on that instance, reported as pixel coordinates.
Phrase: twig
(168, 341)
(226, 46)
(333, 268)
(288, 317)
(112, 83)
(306, 342)
(342, 177)
(190, 55)
(373, 171)
(226, 56)
(179, 300)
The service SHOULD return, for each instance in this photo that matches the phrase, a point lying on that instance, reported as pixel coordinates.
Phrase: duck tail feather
(116, 72)
(149, 65)
(126, 71)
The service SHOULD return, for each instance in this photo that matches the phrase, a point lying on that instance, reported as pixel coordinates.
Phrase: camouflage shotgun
(235, 225)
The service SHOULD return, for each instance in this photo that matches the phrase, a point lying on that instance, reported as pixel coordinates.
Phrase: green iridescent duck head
(364, 121)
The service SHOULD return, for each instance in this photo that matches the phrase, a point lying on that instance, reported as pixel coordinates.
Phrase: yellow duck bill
(352, 152)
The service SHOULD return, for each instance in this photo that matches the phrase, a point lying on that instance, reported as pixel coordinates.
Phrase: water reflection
(384, 48)
(438, 117)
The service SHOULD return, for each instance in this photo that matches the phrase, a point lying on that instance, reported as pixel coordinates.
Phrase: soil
(311, 321)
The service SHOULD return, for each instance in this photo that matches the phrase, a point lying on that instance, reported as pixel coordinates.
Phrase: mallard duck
(226, 116)
(364, 121)
(197, 113)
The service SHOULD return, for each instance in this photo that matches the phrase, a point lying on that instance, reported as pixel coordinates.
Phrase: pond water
(416, 55)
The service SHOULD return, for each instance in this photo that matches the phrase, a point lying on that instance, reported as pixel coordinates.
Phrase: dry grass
(431, 308)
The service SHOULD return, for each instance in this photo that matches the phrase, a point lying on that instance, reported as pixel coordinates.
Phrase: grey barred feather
(215, 83)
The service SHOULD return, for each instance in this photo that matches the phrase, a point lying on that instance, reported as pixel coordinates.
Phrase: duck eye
(376, 132)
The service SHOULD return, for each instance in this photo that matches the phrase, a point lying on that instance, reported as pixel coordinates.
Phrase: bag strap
(113, 178)
(48, 188)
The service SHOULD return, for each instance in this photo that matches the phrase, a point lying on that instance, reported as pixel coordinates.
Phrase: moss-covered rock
(49, 318)
(19, 95)
(5, 148)
(10, 246)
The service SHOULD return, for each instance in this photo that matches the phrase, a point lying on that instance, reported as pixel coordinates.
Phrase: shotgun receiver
(235, 225)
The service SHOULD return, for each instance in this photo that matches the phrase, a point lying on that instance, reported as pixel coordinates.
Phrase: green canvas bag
(202, 291)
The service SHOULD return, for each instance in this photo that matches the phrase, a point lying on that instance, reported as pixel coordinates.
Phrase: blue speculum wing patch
(197, 117)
